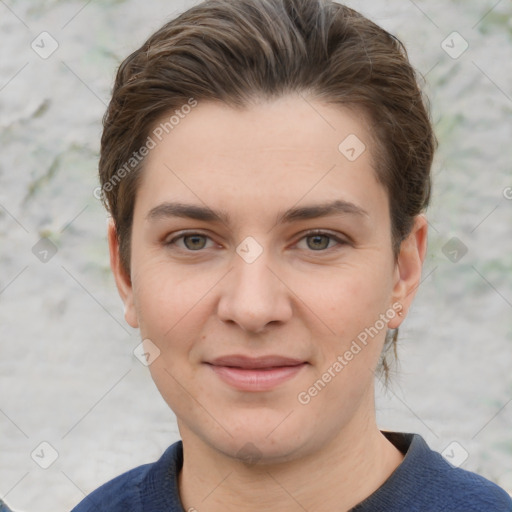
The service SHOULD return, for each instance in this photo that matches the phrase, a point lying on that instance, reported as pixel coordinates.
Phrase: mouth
(256, 374)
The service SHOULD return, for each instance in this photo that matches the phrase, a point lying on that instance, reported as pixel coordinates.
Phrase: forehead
(275, 153)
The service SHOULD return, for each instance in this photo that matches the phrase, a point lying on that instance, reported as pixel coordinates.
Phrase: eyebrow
(190, 211)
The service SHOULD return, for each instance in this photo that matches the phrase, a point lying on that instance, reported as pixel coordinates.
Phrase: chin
(254, 442)
(253, 452)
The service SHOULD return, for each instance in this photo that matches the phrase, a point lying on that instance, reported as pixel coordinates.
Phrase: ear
(123, 280)
(408, 268)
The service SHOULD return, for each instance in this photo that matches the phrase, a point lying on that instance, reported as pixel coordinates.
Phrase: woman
(267, 167)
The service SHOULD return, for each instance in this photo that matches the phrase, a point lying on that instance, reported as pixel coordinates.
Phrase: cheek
(156, 301)
(163, 295)
(173, 306)
(350, 336)
(347, 298)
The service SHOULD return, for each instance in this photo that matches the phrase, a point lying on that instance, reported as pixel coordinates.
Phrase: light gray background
(68, 375)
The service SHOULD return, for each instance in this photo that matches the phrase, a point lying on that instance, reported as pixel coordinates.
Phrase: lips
(256, 373)
(251, 363)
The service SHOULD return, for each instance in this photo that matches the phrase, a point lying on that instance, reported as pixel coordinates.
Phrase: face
(289, 267)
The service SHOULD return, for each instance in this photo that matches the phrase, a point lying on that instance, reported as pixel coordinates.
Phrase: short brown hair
(235, 51)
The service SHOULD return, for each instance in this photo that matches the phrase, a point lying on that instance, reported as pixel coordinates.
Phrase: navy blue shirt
(4, 507)
(423, 482)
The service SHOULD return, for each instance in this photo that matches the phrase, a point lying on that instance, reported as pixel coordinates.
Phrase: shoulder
(464, 490)
(450, 488)
(129, 491)
(460, 489)
(4, 507)
(474, 493)
(426, 481)
(120, 493)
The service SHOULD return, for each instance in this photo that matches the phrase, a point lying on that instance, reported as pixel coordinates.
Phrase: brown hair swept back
(237, 51)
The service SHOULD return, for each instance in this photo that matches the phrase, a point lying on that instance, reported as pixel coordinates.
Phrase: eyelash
(315, 232)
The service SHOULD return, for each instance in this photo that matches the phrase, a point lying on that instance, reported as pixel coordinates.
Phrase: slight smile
(256, 374)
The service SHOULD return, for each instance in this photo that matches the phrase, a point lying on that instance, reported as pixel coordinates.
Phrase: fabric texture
(4, 507)
(424, 482)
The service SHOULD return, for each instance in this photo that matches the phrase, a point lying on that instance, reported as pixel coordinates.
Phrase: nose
(255, 294)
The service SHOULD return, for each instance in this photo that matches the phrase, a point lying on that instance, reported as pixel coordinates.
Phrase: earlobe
(409, 267)
(123, 280)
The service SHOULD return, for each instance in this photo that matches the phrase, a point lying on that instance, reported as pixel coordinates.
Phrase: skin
(303, 297)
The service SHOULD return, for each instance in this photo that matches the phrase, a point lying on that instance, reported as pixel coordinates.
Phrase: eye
(192, 241)
(319, 240)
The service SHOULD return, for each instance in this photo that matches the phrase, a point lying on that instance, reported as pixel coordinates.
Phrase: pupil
(194, 238)
(316, 237)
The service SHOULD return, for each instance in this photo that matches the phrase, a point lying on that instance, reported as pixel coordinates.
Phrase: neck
(345, 471)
